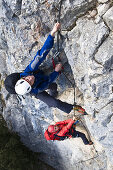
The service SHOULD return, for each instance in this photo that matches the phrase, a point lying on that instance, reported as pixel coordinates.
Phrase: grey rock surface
(87, 55)
(103, 1)
(103, 8)
(108, 18)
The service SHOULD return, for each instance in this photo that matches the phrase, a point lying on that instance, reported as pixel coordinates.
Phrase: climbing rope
(88, 133)
(58, 33)
(87, 159)
(74, 96)
(57, 54)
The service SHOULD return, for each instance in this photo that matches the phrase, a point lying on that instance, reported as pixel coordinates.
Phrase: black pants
(50, 100)
(82, 136)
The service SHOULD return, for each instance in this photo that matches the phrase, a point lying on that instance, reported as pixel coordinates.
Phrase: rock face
(108, 18)
(87, 41)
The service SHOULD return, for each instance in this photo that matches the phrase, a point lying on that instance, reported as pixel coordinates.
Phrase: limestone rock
(105, 51)
(108, 18)
(93, 77)
(86, 44)
(28, 7)
(73, 10)
(102, 9)
(103, 1)
(93, 13)
(15, 6)
(3, 68)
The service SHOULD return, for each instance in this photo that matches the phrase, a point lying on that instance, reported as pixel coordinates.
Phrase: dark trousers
(50, 100)
(82, 136)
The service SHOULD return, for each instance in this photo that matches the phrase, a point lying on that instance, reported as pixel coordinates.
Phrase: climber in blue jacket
(38, 82)
(34, 81)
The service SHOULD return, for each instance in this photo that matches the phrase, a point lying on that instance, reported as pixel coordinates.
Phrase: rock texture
(108, 18)
(86, 44)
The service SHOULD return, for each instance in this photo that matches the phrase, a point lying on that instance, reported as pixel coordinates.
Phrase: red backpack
(50, 136)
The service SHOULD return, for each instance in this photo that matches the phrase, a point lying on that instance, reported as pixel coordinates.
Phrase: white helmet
(22, 87)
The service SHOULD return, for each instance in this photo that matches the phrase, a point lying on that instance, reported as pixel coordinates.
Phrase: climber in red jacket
(64, 129)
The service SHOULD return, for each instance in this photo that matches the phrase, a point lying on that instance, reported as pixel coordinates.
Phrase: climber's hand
(55, 29)
(58, 67)
(75, 118)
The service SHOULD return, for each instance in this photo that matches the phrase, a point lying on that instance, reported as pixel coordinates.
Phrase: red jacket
(66, 130)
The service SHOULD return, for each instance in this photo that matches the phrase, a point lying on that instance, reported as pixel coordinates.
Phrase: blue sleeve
(53, 76)
(34, 91)
(41, 54)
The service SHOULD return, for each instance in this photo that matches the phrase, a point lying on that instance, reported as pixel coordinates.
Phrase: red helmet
(51, 128)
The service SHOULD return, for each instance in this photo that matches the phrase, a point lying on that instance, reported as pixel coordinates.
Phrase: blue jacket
(41, 81)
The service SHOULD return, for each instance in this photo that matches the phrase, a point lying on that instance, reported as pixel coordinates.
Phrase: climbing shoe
(79, 109)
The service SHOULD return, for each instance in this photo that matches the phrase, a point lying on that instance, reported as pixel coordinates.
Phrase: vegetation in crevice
(14, 155)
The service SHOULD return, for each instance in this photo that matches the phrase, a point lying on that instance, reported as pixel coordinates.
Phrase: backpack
(60, 137)
(10, 82)
(47, 135)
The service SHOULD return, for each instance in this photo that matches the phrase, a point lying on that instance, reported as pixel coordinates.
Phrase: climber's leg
(53, 89)
(81, 135)
(52, 102)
